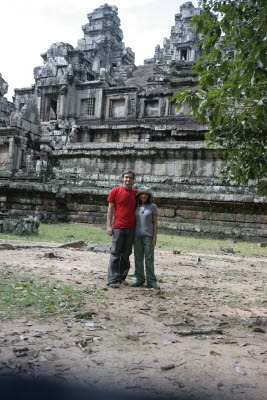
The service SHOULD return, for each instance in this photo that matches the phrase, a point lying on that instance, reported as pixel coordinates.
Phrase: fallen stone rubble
(20, 226)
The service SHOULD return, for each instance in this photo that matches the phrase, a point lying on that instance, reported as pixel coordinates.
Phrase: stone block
(26, 125)
(226, 249)
(97, 248)
(166, 212)
(161, 212)
(20, 226)
(77, 244)
(240, 218)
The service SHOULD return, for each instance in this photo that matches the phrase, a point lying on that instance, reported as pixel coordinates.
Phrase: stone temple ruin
(91, 113)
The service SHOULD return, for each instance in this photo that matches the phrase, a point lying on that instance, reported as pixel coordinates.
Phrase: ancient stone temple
(91, 113)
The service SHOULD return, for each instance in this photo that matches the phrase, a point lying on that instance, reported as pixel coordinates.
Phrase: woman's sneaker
(153, 286)
(137, 284)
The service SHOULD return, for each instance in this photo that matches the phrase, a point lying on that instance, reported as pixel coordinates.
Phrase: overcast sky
(29, 27)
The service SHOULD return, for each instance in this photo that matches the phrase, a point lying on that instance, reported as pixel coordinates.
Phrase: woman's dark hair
(148, 199)
(127, 172)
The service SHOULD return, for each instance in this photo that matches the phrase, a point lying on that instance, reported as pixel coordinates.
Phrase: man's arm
(111, 209)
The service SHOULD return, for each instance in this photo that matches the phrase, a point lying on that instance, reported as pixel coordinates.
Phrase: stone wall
(187, 216)
(184, 178)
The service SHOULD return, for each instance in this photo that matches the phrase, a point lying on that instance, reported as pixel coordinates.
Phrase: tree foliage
(231, 95)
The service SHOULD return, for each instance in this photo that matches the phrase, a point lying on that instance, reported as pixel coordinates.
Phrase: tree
(231, 94)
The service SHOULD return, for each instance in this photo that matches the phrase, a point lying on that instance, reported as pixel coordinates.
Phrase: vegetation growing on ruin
(231, 96)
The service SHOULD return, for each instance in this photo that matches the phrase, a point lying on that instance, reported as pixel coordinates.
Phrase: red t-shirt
(125, 203)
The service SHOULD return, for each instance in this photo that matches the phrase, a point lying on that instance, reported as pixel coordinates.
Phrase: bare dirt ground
(132, 342)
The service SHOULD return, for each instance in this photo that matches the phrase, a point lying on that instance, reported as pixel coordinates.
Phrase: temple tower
(102, 42)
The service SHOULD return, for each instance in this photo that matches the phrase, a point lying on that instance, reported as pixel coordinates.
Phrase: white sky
(29, 27)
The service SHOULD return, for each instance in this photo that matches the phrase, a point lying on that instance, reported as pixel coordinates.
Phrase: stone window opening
(183, 54)
(110, 109)
(156, 139)
(21, 106)
(174, 111)
(171, 107)
(49, 107)
(116, 108)
(53, 109)
(92, 136)
(91, 106)
(23, 161)
(115, 136)
(90, 77)
(88, 106)
(151, 108)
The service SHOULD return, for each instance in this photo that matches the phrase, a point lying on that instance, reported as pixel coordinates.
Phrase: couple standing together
(135, 221)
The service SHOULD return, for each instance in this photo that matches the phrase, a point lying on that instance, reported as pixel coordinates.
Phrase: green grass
(64, 232)
(235, 302)
(208, 246)
(23, 295)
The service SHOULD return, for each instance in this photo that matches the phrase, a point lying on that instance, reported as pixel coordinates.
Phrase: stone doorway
(49, 107)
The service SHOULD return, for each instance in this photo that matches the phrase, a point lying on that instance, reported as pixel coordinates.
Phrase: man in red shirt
(122, 203)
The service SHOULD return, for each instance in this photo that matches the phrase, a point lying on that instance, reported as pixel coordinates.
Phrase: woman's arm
(155, 224)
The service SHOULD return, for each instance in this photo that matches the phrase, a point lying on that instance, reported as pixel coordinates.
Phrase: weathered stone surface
(6, 107)
(20, 226)
(6, 246)
(50, 255)
(77, 244)
(226, 249)
(97, 248)
(3, 86)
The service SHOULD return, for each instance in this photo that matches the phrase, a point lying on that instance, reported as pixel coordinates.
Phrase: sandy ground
(133, 343)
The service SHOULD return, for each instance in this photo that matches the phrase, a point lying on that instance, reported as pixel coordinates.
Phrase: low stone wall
(183, 216)
(20, 226)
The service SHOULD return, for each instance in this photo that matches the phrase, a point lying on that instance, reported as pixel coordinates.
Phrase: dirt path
(132, 341)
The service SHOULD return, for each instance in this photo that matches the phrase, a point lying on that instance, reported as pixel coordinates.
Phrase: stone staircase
(140, 75)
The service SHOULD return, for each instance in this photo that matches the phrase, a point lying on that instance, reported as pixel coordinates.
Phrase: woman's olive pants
(143, 249)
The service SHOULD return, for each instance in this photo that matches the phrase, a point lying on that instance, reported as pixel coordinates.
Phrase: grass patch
(62, 233)
(23, 295)
(208, 246)
(236, 303)
(241, 301)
